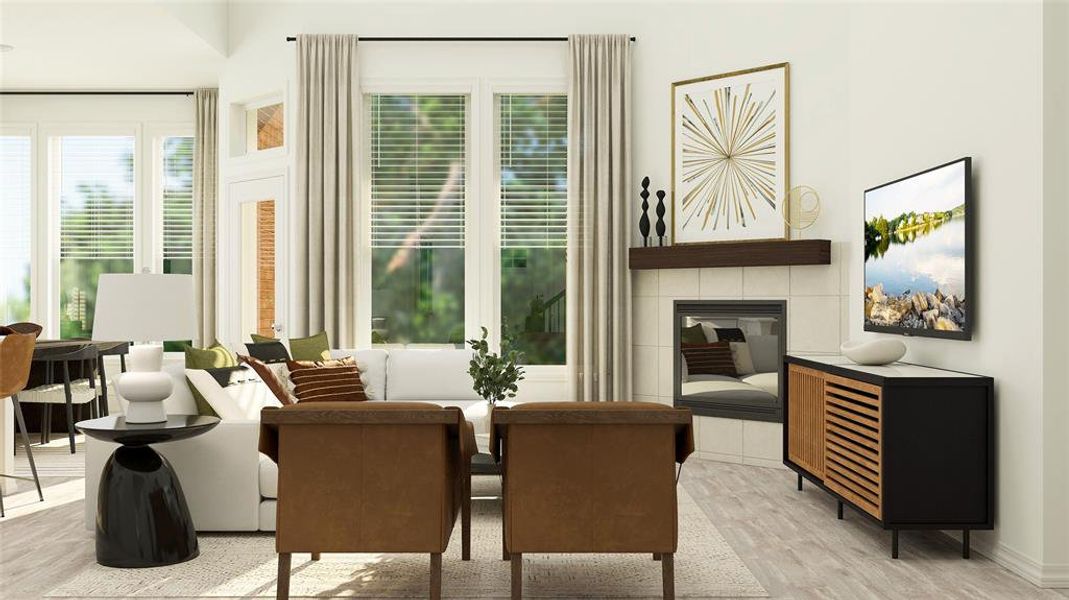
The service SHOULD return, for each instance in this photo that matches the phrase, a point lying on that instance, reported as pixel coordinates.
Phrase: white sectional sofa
(230, 486)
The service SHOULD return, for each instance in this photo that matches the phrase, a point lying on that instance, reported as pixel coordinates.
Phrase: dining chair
(62, 389)
(27, 327)
(16, 354)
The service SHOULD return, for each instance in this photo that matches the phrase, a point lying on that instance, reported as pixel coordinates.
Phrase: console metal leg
(840, 510)
(799, 482)
(965, 543)
(894, 543)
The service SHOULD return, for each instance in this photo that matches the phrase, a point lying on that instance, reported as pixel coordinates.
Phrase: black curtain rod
(457, 39)
(91, 93)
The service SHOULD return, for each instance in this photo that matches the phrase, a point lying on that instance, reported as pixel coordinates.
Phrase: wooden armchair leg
(315, 556)
(656, 556)
(668, 576)
(465, 520)
(517, 575)
(436, 576)
(283, 587)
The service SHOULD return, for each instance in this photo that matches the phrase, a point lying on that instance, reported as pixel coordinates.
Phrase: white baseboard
(1038, 574)
(740, 460)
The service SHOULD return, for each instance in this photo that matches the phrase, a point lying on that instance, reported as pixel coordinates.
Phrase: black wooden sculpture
(644, 220)
(660, 217)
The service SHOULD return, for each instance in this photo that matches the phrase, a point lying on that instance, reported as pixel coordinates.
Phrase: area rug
(244, 566)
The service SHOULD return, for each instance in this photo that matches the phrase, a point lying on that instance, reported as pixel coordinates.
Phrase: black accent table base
(142, 517)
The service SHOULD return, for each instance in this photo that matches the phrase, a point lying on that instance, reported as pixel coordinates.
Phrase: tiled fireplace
(816, 309)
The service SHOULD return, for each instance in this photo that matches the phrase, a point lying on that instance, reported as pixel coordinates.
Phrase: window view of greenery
(533, 157)
(176, 193)
(418, 165)
(15, 210)
(96, 187)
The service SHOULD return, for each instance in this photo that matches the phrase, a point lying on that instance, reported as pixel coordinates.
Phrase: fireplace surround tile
(645, 367)
(762, 440)
(766, 282)
(813, 324)
(679, 282)
(645, 321)
(722, 436)
(720, 283)
(645, 283)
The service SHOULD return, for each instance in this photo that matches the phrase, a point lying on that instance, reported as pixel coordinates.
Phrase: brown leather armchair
(368, 477)
(590, 477)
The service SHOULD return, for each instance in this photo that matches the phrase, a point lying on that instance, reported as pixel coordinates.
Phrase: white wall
(877, 91)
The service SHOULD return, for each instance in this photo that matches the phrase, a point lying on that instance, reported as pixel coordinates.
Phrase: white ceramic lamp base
(144, 386)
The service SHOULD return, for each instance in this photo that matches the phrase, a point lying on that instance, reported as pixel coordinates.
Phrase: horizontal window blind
(418, 165)
(177, 196)
(15, 210)
(96, 185)
(533, 157)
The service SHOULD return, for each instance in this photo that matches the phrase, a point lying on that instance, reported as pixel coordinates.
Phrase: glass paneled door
(255, 290)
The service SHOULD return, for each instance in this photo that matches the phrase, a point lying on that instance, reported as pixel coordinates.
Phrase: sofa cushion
(372, 365)
(335, 380)
(275, 375)
(432, 375)
(268, 352)
(181, 401)
(268, 477)
(215, 356)
(241, 399)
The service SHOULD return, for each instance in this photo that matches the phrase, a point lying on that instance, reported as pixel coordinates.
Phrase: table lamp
(145, 308)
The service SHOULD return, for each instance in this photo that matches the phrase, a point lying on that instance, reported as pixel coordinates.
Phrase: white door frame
(268, 185)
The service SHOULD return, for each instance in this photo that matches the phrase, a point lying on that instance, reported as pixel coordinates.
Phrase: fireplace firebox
(728, 357)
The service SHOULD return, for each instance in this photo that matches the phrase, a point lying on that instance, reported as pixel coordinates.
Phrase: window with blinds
(95, 177)
(418, 159)
(15, 213)
(533, 142)
(176, 197)
(96, 186)
(418, 164)
(533, 174)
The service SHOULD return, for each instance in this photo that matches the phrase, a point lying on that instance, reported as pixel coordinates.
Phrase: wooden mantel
(733, 254)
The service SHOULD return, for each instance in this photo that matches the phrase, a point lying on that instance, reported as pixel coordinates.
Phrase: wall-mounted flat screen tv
(918, 255)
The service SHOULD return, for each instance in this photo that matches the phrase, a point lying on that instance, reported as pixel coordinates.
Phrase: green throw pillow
(693, 335)
(213, 357)
(313, 347)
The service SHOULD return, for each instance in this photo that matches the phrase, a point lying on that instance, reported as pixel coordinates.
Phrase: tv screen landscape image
(917, 257)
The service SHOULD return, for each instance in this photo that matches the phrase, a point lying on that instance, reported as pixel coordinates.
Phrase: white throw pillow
(764, 349)
(432, 375)
(242, 400)
(740, 355)
(372, 367)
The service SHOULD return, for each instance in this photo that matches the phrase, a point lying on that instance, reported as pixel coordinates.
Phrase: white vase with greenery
(494, 376)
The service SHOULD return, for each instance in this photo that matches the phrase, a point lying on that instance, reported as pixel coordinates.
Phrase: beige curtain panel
(599, 177)
(326, 212)
(205, 191)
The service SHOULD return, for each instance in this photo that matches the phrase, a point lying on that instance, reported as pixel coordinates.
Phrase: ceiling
(137, 44)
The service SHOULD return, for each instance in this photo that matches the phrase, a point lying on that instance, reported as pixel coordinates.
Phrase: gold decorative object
(801, 207)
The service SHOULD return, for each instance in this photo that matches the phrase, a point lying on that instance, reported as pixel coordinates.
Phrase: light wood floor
(789, 539)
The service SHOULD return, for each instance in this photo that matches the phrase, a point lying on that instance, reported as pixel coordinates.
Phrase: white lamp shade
(144, 307)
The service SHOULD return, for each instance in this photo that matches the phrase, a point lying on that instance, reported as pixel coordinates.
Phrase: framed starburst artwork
(729, 156)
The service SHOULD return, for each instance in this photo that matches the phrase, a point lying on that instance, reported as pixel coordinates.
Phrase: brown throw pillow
(709, 359)
(270, 377)
(326, 380)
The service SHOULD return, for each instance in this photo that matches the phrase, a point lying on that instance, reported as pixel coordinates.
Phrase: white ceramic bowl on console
(881, 351)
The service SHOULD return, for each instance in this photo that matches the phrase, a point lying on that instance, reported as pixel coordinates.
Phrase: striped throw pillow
(709, 359)
(326, 380)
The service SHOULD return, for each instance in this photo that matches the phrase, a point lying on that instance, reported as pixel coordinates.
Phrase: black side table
(142, 516)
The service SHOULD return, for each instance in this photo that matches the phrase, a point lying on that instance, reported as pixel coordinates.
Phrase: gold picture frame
(741, 180)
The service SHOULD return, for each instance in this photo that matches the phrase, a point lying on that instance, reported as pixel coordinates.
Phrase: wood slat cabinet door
(852, 436)
(805, 419)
